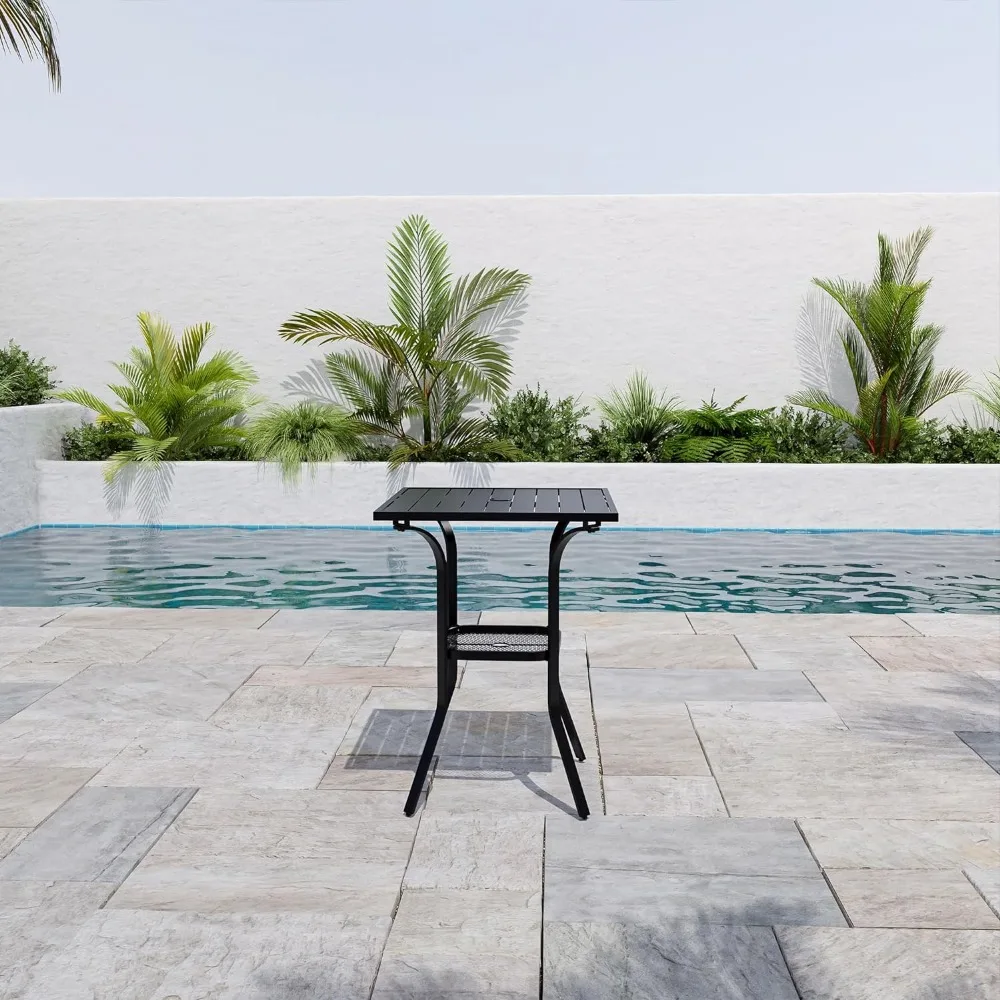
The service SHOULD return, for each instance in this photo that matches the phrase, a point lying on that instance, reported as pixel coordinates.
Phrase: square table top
(417, 503)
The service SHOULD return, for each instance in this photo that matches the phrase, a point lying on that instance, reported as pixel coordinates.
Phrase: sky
(397, 97)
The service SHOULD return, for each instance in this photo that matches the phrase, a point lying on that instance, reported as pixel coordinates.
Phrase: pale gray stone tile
(98, 835)
(17, 617)
(168, 618)
(901, 701)
(921, 653)
(30, 792)
(888, 964)
(785, 714)
(707, 622)
(335, 851)
(24, 670)
(16, 640)
(10, 837)
(414, 649)
(64, 742)
(138, 692)
(97, 645)
(960, 626)
(16, 697)
(208, 754)
(604, 895)
(137, 955)
(651, 739)
(987, 882)
(987, 745)
(469, 785)
(482, 850)
(807, 652)
(883, 898)
(238, 647)
(679, 845)
(354, 649)
(463, 945)
(38, 920)
(371, 773)
(529, 677)
(611, 648)
(764, 770)
(662, 795)
(639, 959)
(642, 688)
(290, 705)
(656, 621)
(902, 844)
(328, 673)
(342, 619)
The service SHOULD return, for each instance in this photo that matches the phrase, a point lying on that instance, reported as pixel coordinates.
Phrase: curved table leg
(447, 667)
(562, 722)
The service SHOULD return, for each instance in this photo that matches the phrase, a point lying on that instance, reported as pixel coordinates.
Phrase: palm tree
(414, 380)
(889, 351)
(988, 396)
(27, 30)
(177, 406)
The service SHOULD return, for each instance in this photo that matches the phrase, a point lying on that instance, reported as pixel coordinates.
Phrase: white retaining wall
(701, 291)
(28, 433)
(708, 496)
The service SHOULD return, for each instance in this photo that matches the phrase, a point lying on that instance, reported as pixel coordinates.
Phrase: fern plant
(889, 350)
(414, 381)
(714, 433)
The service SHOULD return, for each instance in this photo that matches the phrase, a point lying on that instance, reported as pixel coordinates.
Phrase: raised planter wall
(28, 433)
(688, 496)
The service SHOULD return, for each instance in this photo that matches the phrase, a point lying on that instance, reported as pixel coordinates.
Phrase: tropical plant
(24, 380)
(413, 381)
(636, 421)
(95, 442)
(988, 395)
(540, 429)
(714, 433)
(175, 405)
(889, 351)
(805, 436)
(306, 432)
(28, 31)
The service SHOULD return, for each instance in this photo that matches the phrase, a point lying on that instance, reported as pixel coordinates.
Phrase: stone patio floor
(208, 804)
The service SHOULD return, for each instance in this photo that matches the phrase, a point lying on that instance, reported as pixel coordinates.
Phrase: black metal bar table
(500, 642)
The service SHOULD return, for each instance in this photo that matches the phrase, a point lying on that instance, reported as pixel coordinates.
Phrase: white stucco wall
(690, 496)
(28, 433)
(702, 291)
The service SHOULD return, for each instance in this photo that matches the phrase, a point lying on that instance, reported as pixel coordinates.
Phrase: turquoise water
(613, 570)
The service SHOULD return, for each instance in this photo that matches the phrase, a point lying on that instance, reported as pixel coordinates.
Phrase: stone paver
(448, 944)
(210, 802)
(626, 648)
(924, 898)
(637, 960)
(882, 964)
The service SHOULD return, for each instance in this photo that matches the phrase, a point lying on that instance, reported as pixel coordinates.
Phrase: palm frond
(988, 395)
(28, 31)
(419, 276)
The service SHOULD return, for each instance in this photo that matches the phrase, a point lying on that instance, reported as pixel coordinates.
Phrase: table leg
(562, 722)
(447, 667)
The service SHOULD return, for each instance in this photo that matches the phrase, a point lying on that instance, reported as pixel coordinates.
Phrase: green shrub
(541, 430)
(714, 433)
(95, 442)
(809, 436)
(950, 443)
(24, 381)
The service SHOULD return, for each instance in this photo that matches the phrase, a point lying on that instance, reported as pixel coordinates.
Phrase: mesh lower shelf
(498, 643)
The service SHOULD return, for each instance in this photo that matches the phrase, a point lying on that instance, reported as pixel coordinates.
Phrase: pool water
(749, 571)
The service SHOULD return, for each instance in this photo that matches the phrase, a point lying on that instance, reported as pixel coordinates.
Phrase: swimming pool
(748, 571)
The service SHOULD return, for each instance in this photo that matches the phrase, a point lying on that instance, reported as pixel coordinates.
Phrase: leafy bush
(95, 442)
(950, 443)
(714, 433)
(540, 430)
(305, 432)
(809, 436)
(24, 380)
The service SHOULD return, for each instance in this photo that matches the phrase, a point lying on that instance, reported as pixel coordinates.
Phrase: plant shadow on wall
(413, 386)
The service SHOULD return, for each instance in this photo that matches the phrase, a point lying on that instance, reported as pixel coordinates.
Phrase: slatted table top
(416, 503)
